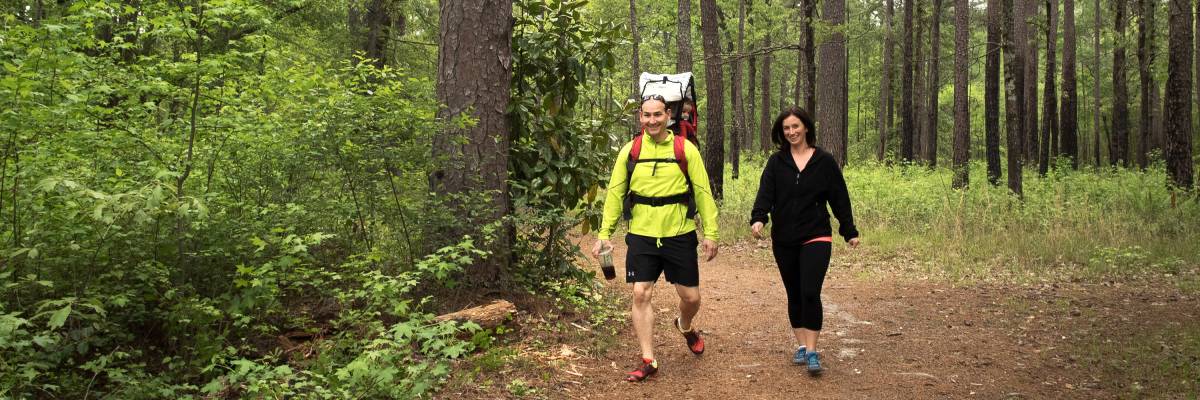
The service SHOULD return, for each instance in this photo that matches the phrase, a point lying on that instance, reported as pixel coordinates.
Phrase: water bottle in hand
(606, 264)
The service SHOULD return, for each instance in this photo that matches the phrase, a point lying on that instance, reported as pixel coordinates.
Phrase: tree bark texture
(1178, 97)
(884, 119)
(935, 54)
(635, 68)
(1013, 67)
(474, 75)
(1120, 111)
(714, 137)
(1029, 32)
(1050, 107)
(739, 104)
(920, 60)
(806, 74)
(831, 102)
(962, 111)
(764, 117)
(1069, 117)
(683, 37)
(991, 91)
(906, 87)
(1096, 86)
(1145, 54)
(751, 102)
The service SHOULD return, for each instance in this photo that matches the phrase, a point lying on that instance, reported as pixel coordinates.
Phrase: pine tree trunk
(1030, 123)
(931, 130)
(751, 102)
(1178, 97)
(736, 105)
(749, 118)
(920, 115)
(906, 87)
(764, 117)
(885, 85)
(1050, 108)
(369, 28)
(735, 90)
(1120, 116)
(831, 106)
(1096, 86)
(1145, 54)
(806, 79)
(1157, 139)
(991, 91)
(714, 121)
(962, 111)
(683, 37)
(378, 24)
(474, 75)
(635, 70)
(1069, 117)
(1013, 67)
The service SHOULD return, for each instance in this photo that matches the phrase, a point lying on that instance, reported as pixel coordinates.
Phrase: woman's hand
(853, 243)
(756, 230)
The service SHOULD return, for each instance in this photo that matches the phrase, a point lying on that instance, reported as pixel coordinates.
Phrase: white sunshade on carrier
(674, 88)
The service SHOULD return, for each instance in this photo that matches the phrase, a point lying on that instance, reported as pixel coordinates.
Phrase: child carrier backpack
(679, 91)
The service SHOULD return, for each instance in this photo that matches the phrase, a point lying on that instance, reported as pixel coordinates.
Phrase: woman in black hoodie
(797, 183)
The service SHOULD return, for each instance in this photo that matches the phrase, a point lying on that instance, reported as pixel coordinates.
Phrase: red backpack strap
(681, 154)
(636, 150)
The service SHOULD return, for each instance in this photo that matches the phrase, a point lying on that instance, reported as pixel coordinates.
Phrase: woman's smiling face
(794, 130)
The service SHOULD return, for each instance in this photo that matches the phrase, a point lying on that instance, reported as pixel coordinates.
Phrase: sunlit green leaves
(558, 153)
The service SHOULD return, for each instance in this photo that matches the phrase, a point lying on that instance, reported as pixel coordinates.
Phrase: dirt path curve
(880, 340)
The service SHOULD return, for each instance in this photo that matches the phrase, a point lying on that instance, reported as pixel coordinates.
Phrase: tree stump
(487, 316)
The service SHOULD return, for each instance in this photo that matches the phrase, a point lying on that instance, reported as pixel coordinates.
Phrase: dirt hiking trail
(884, 337)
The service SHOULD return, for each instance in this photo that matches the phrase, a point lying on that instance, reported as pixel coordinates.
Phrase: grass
(1076, 224)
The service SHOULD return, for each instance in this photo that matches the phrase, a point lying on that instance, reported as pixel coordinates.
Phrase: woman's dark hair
(777, 130)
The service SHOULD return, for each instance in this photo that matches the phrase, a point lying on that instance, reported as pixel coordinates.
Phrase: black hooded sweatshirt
(796, 199)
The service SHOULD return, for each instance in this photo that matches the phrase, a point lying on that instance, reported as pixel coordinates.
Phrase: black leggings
(803, 271)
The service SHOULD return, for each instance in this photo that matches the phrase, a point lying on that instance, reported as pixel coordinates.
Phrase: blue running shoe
(799, 358)
(814, 363)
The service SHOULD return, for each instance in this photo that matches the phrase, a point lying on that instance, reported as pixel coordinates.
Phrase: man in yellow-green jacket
(660, 200)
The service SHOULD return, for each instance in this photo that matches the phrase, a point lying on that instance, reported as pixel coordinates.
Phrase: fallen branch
(488, 316)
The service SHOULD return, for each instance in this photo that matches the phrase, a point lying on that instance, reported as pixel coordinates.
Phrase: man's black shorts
(645, 260)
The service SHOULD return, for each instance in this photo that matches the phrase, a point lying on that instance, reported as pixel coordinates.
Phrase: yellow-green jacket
(659, 179)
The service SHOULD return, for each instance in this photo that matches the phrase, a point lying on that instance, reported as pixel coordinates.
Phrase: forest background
(239, 198)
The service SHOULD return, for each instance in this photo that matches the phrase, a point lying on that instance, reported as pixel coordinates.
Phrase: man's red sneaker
(694, 342)
(649, 368)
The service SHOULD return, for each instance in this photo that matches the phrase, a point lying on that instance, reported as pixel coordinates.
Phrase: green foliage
(183, 186)
(560, 154)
